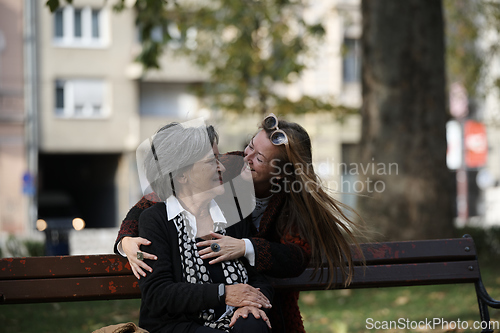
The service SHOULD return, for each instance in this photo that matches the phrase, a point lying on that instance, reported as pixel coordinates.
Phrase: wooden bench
(106, 277)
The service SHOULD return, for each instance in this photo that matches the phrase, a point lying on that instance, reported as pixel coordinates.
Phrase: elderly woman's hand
(230, 248)
(245, 311)
(131, 245)
(241, 294)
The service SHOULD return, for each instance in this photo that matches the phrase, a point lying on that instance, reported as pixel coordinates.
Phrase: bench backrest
(101, 277)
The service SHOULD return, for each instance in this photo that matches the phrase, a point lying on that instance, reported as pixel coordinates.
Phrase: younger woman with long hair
(295, 222)
(309, 210)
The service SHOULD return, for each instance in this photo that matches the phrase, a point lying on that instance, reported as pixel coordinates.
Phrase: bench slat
(63, 266)
(419, 251)
(70, 289)
(391, 276)
(109, 265)
(119, 287)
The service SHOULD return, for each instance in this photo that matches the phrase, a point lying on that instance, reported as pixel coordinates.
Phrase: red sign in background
(476, 144)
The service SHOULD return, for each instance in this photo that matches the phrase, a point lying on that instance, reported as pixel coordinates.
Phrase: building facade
(95, 105)
(13, 162)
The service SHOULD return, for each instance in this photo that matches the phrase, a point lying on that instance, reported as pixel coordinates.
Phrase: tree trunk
(403, 145)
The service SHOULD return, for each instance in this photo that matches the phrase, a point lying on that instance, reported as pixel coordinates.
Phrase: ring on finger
(215, 247)
(140, 256)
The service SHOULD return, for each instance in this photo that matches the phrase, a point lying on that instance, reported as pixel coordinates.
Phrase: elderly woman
(184, 293)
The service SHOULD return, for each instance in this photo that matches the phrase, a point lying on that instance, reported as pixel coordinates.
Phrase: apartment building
(13, 161)
(94, 105)
(88, 120)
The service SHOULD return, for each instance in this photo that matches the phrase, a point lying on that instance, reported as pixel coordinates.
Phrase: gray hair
(174, 148)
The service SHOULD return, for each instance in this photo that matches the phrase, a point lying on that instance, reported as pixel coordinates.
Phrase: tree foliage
(250, 49)
(472, 28)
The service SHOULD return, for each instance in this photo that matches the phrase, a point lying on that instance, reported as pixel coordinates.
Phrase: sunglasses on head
(277, 137)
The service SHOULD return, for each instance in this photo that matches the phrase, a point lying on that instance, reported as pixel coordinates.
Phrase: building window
(58, 24)
(81, 98)
(351, 61)
(167, 100)
(78, 23)
(80, 27)
(95, 23)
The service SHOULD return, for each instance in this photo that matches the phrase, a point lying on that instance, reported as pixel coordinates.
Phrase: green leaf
(55, 4)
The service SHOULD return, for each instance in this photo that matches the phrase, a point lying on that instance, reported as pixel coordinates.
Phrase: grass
(323, 311)
(348, 310)
(68, 317)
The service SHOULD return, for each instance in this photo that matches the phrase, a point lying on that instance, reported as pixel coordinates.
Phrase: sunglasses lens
(278, 138)
(270, 122)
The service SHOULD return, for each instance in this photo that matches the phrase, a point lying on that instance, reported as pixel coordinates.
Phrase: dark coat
(169, 303)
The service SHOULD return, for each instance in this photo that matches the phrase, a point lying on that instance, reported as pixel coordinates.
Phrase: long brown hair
(309, 210)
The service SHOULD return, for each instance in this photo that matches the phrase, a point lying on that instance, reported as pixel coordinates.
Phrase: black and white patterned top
(194, 269)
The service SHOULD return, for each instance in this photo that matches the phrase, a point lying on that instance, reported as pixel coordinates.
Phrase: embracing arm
(284, 259)
(127, 243)
(129, 226)
(288, 258)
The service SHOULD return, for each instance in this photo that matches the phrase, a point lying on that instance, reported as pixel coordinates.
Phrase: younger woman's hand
(245, 311)
(131, 245)
(230, 248)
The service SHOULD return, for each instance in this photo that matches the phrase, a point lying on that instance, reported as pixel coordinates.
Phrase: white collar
(174, 208)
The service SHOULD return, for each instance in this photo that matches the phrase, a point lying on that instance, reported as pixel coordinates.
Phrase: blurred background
(400, 98)
(83, 82)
